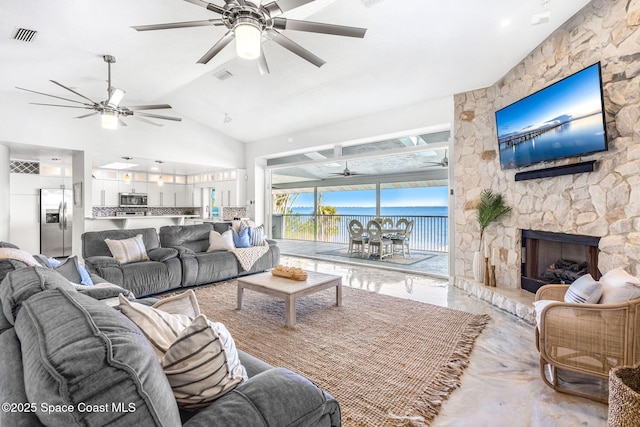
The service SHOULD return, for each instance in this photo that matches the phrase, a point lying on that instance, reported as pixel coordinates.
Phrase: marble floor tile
(501, 386)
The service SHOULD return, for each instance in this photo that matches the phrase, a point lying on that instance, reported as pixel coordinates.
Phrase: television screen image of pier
(531, 132)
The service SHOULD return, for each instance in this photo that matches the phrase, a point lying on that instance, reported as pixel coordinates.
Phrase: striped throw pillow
(198, 356)
(257, 236)
(128, 250)
(202, 364)
(584, 290)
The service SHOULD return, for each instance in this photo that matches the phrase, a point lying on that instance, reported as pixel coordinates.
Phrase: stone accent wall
(604, 203)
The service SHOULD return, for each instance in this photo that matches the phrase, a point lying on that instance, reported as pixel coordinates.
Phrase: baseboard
(557, 171)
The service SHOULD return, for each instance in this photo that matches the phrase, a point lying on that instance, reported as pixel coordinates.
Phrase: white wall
(374, 127)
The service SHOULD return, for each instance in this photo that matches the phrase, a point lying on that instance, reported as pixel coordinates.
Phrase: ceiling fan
(111, 112)
(249, 22)
(444, 162)
(346, 172)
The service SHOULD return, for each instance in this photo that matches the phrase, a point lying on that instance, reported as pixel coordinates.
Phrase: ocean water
(384, 211)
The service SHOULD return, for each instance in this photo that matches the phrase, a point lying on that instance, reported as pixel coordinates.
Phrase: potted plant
(491, 208)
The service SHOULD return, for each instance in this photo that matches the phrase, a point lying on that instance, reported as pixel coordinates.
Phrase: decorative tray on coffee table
(293, 273)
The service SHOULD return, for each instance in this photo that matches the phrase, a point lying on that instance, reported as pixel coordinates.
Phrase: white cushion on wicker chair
(538, 306)
(619, 286)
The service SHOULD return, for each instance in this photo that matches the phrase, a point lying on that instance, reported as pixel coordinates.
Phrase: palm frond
(491, 208)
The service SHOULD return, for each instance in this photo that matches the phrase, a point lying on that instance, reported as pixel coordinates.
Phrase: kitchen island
(100, 223)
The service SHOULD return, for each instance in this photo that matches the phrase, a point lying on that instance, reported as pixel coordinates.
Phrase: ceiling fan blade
(212, 7)
(60, 105)
(53, 96)
(295, 48)
(142, 119)
(171, 25)
(148, 107)
(73, 91)
(157, 116)
(262, 63)
(86, 115)
(221, 44)
(286, 5)
(318, 27)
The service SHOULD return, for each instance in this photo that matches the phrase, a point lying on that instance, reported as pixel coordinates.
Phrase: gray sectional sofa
(198, 265)
(179, 259)
(68, 359)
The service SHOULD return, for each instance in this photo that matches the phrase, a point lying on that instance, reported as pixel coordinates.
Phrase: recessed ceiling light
(505, 23)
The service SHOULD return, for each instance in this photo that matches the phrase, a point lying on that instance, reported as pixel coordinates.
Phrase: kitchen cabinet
(193, 196)
(104, 192)
(231, 189)
(181, 196)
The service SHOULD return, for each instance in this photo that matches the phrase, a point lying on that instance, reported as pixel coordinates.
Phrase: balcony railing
(430, 233)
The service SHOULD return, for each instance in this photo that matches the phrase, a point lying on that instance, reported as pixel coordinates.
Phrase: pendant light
(160, 180)
(127, 177)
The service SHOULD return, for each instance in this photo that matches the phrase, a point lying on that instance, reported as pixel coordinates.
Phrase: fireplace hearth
(556, 258)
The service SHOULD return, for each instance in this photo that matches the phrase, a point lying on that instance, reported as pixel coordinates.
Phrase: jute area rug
(388, 361)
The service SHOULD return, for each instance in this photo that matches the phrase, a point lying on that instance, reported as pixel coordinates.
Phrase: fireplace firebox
(556, 258)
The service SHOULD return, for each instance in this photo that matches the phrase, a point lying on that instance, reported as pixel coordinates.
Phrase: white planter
(478, 266)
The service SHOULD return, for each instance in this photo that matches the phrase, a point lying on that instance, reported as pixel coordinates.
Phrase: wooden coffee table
(289, 290)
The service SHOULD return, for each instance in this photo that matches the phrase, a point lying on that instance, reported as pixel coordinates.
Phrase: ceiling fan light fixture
(248, 38)
(109, 120)
(115, 98)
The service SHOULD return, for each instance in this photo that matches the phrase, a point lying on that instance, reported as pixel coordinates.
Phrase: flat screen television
(565, 119)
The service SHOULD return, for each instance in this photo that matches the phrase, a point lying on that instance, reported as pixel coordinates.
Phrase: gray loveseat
(68, 359)
(198, 265)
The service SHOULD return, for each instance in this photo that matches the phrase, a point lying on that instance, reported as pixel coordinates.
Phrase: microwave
(138, 200)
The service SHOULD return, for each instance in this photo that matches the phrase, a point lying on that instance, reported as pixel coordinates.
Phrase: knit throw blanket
(248, 256)
(18, 255)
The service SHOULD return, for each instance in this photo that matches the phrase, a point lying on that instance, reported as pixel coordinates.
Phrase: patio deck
(436, 264)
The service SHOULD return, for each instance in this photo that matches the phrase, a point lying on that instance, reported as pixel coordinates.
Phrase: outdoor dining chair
(378, 245)
(400, 241)
(357, 239)
(387, 223)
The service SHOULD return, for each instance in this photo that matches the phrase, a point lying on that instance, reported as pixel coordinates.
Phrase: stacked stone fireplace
(557, 258)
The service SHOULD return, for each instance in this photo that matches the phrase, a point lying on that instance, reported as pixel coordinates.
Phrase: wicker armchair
(590, 339)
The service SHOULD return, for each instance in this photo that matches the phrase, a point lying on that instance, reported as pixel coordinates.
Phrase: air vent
(222, 74)
(19, 166)
(369, 3)
(24, 35)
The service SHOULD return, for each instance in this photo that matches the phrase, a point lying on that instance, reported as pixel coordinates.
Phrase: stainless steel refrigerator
(56, 220)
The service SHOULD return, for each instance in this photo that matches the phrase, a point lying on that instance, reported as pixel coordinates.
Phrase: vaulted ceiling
(413, 51)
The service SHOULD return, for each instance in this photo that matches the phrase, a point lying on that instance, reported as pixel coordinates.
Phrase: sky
(576, 94)
(423, 196)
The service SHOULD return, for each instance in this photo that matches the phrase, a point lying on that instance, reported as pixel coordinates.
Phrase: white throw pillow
(221, 242)
(185, 303)
(160, 328)
(584, 290)
(128, 250)
(619, 286)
